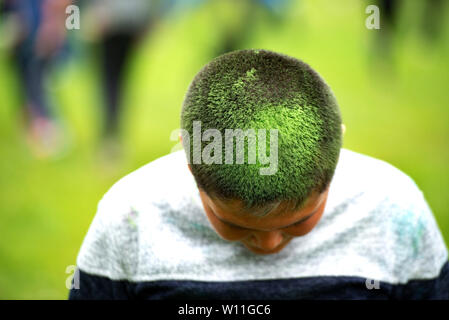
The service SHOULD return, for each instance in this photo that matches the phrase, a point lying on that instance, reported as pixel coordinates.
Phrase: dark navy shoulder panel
(437, 289)
(92, 287)
(283, 289)
(309, 288)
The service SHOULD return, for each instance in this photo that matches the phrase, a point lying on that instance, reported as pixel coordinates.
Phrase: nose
(267, 240)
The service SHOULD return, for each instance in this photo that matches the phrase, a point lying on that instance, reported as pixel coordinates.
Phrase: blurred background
(82, 107)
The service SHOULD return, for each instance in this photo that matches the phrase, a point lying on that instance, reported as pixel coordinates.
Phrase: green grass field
(395, 107)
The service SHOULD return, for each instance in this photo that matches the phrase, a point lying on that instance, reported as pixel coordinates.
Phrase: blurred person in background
(117, 26)
(238, 25)
(39, 38)
(433, 17)
(430, 22)
(383, 42)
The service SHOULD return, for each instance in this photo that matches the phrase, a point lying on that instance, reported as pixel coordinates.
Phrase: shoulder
(111, 245)
(370, 171)
(377, 180)
(163, 180)
(394, 214)
(157, 174)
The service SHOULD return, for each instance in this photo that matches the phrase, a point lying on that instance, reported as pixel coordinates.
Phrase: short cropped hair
(264, 89)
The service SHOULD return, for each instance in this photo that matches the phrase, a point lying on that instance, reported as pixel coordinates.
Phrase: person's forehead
(234, 212)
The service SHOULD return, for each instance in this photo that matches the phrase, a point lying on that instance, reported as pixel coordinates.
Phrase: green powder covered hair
(259, 89)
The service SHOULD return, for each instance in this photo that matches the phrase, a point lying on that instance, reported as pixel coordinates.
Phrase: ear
(180, 137)
(343, 128)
